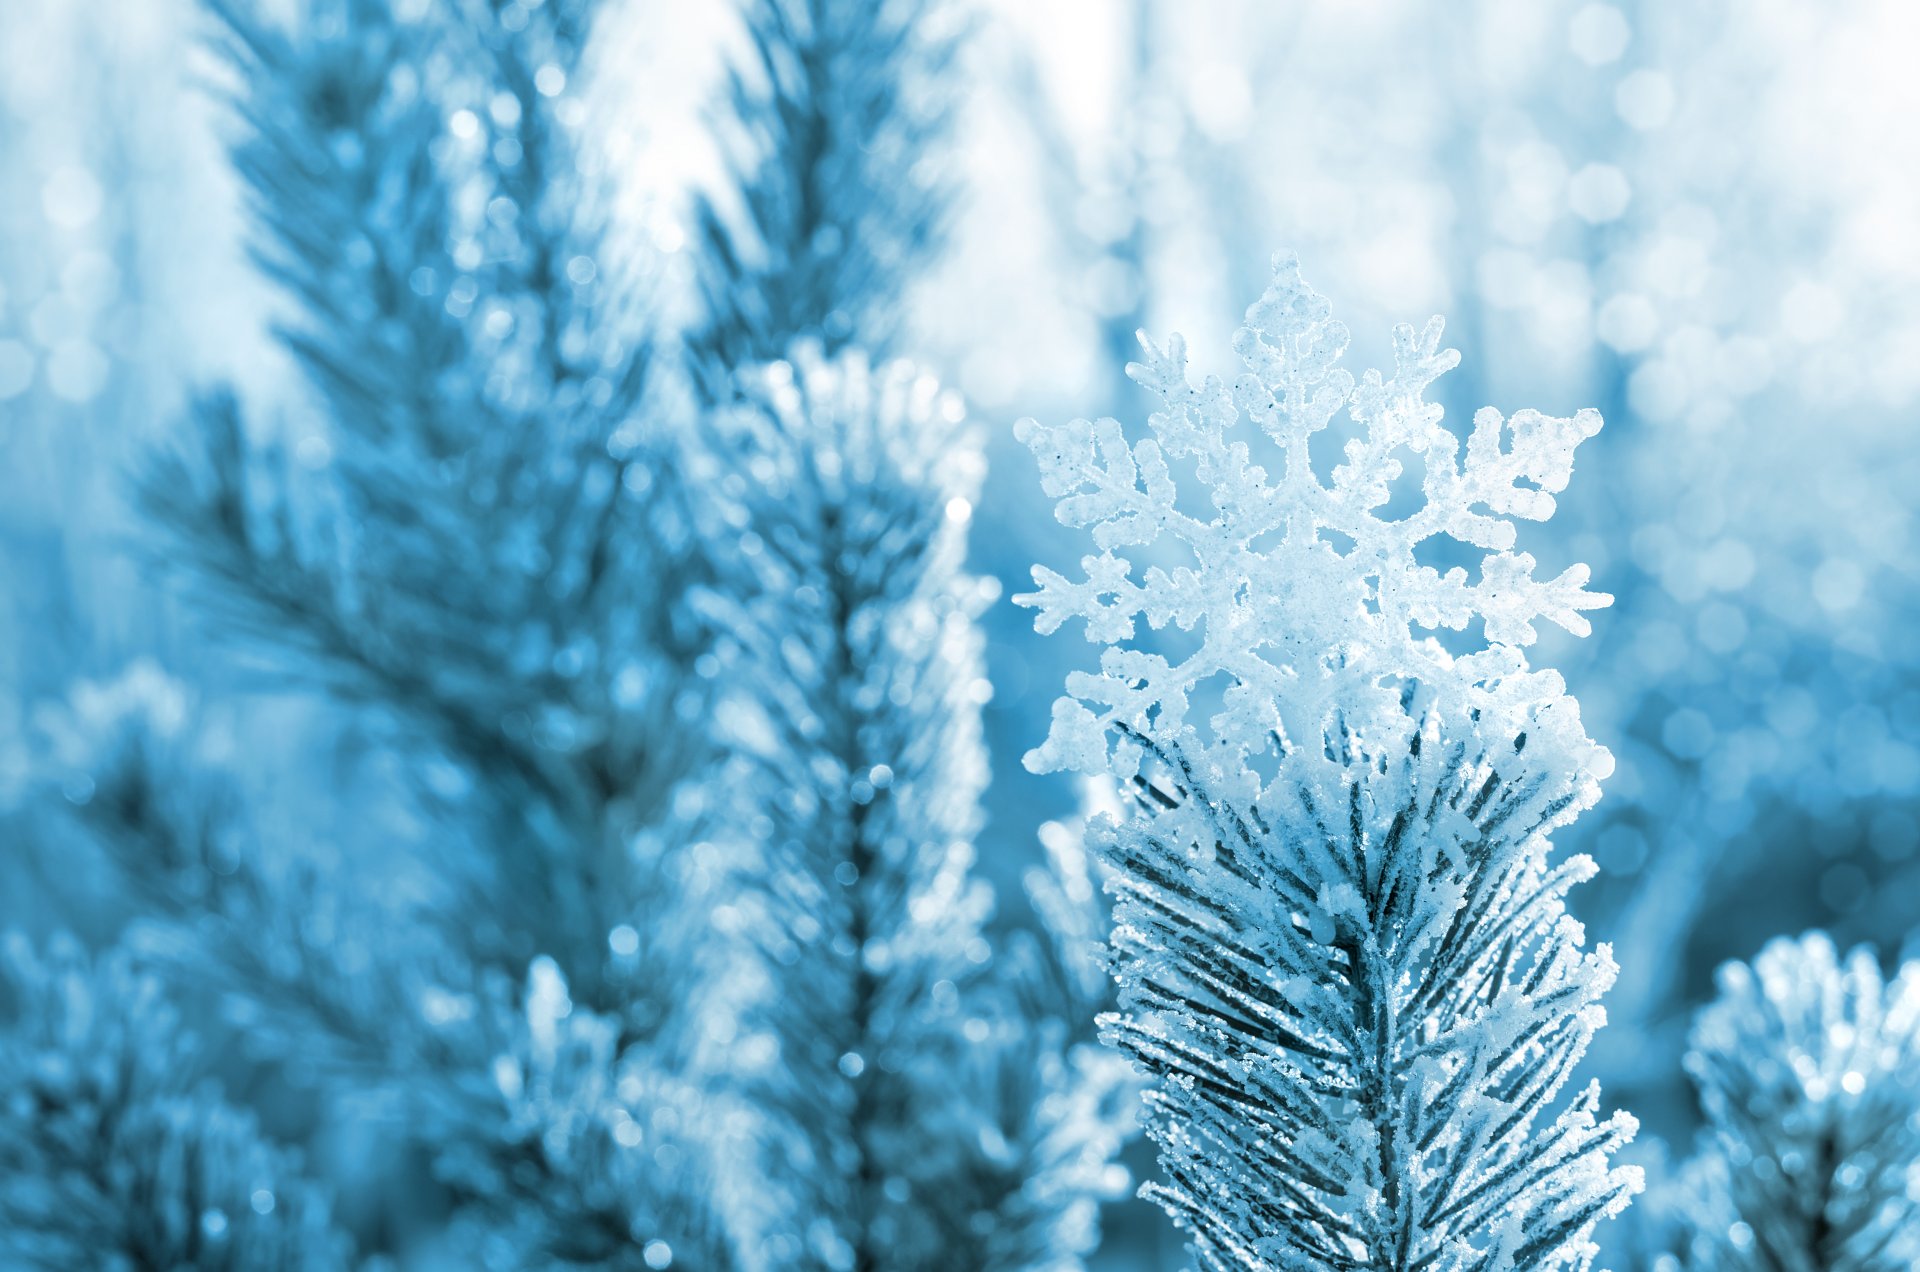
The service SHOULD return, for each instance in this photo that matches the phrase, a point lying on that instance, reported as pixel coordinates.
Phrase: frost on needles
(1340, 938)
(1808, 1067)
(922, 1118)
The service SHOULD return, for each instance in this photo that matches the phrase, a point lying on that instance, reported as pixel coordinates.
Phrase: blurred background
(1701, 218)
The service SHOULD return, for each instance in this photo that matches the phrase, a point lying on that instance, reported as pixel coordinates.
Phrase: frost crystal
(1339, 935)
(1309, 602)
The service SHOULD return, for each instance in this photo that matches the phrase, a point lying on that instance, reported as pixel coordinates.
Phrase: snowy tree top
(1314, 611)
(856, 427)
(1802, 1028)
(1808, 1067)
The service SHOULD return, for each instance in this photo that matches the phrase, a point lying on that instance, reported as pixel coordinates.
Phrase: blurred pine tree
(1808, 1067)
(930, 1120)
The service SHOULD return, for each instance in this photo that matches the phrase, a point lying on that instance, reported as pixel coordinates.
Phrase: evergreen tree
(1340, 936)
(482, 551)
(476, 556)
(927, 1122)
(115, 1151)
(833, 136)
(1808, 1068)
(305, 968)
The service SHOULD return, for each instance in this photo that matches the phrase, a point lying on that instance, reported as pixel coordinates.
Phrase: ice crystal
(1340, 939)
(1809, 1072)
(1309, 602)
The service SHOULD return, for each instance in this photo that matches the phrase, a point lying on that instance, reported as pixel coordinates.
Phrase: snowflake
(1315, 615)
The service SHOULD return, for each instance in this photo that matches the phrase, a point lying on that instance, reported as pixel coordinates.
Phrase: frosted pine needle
(1340, 935)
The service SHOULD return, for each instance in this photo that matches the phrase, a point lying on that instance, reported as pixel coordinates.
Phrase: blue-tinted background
(1700, 218)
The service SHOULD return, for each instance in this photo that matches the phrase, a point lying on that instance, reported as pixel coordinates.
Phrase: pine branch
(838, 120)
(261, 927)
(1808, 1068)
(476, 556)
(112, 1148)
(844, 492)
(380, 1005)
(484, 546)
(1340, 940)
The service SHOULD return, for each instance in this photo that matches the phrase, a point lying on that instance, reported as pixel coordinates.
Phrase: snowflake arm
(1307, 598)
